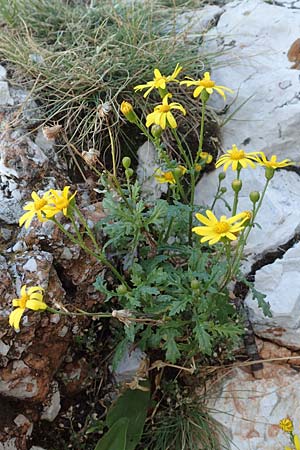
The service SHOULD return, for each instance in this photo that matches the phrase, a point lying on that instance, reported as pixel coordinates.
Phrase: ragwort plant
(171, 287)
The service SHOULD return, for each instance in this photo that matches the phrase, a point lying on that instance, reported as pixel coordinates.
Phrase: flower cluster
(47, 206)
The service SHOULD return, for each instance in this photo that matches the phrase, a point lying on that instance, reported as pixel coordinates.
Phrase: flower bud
(129, 172)
(236, 185)
(207, 157)
(156, 130)
(222, 176)
(127, 110)
(121, 289)
(269, 173)
(254, 196)
(223, 190)
(195, 284)
(126, 162)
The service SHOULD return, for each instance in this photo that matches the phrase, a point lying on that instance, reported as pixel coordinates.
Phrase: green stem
(191, 204)
(236, 195)
(82, 313)
(113, 151)
(201, 136)
(181, 149)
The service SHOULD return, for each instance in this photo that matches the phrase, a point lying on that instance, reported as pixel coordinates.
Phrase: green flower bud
(236, 185)
(121, 289)
(269, 173)
(222, 176)
(195, 284)
(223, 190)
(129, 172)
(254, 196)
(156, 130)
(126, 161)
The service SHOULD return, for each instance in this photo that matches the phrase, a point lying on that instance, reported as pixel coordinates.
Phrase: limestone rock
(197, 22)
(250, 409)
(280, 282)
(253, 61)
(279, 216)
(52, 405)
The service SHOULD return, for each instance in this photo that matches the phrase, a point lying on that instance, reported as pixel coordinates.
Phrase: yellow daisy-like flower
(206, 84)
(127, 109)
(31, 298)
(214, 229)
(286, 425)
(37, 207)
(198, 167)
(237, 158)
(207, 157)
(59, 201)
(159, 81)
(273, 163)
(164, 177)
(162, 114)
(296, 443)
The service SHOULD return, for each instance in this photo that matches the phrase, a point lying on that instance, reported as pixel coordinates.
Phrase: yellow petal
(211, 216)
(203, 219)
(198, 91)
(171, 120)
(297, 442)
(26, 218)
(33, 289)
(15, 318)
(36, 305)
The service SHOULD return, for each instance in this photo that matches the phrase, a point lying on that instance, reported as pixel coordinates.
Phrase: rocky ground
(260, 47)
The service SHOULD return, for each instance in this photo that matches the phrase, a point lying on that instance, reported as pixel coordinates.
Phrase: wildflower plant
(167, 274)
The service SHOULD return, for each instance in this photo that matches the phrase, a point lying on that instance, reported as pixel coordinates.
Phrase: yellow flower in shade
(206, 84)
(31, 298)
(59, 201)
(159, 81)
(286, 425)
(296, 443)
(162, 114)
(237, 158)
(183, 170)
(207, 157)
(164, 177)
(198, 167)
(273, 163)
(214, 229)
(37, 207)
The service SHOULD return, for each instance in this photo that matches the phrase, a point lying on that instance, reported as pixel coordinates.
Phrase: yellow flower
(273, 163)
(31, 298)
(59, 201)
(207, 157)
(215, 229)
(206, 84)
(162, 113)
(159, 81)
(286, 425)
(127, 109)
(182, 169)
(198, 167)
(37, 207)
(237, 159)
(164, 177)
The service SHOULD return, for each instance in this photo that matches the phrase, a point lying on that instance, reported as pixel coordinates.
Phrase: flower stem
(201, 136)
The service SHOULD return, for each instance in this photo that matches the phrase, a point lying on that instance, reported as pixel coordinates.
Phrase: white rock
(4, 348)
(129, 365)
(254, 63)
(196, 22)
(279, 215)
(30, 265)
(52, 406)
(22, 386)
(2, 73)
(280, 282)
(36, 448)
(8, 445)
(5, 98)
(21, 420)
(250, 409)
(147, 156)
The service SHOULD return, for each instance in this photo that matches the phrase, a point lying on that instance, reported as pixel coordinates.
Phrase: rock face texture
(31, 359)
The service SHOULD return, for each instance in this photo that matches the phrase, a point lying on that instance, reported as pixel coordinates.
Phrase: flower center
(169, 176)
(23, 301)
(221, 227)
(237, 154)
(165, 108)
(39, 204)
(207, 83)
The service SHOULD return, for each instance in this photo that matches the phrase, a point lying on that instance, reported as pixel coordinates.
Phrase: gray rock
(52, 405)
(5, 98)
(280, 282)
(129, 365)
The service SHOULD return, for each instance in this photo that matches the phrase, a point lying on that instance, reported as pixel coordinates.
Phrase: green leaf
(100, 285)
(177, 307)
(172, 352)
(203, 338)
(115, 438)
(132, 405)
